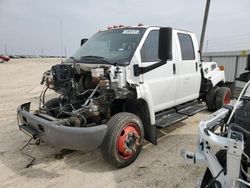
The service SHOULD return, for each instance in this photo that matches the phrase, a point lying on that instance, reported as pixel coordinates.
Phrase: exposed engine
(84, 96)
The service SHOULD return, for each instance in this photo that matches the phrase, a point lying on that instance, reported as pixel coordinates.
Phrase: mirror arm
(142, 70)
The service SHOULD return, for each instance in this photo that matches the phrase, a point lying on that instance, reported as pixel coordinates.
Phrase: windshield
(115, 46)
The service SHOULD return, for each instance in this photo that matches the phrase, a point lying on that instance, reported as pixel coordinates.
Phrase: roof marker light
(221, 68)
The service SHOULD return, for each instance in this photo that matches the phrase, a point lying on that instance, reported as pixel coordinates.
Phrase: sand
(157, 166)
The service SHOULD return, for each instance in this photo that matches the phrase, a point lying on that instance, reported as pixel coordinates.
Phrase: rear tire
(123, 141)
(210, 99)
(223, 97)
(222, 158)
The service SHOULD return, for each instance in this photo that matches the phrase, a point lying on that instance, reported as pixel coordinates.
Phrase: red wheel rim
(128, 141)
(227, 98)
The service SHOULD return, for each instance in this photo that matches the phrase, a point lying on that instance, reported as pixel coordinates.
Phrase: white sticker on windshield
(131, 32)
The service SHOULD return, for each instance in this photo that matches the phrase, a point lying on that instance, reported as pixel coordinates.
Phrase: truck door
(188, 68)
(160, 83)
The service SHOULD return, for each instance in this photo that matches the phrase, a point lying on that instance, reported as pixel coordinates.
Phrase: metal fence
(234, 63)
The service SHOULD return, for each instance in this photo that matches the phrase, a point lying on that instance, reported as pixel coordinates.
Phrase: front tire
(123, 141)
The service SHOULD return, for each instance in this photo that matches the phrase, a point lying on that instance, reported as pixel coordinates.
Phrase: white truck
(120, 86)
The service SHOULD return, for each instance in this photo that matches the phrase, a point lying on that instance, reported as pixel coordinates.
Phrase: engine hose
(84, 119)
(91, 95)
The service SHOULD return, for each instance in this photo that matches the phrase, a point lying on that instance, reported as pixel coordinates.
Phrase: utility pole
(204, 25)
(61, 38)
(42, 52)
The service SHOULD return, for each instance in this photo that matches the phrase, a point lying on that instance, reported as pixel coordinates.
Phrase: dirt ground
(157, 166)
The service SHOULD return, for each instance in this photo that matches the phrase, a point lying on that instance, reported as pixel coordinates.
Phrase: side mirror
(83, 41)
(164, 51)
(165, 44)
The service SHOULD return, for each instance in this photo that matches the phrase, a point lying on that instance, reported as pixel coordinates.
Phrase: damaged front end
(53, 131)
(76, 118)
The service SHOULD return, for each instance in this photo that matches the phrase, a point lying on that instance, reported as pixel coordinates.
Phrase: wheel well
(220, 84)
(140, 108)
(206, 86)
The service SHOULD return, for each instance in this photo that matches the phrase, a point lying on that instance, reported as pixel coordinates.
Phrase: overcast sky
(27, 26)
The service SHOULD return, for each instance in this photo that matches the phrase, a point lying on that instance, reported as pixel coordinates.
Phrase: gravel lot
(157, 166)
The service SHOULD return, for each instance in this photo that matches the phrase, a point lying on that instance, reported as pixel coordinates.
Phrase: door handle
(196, 66)
(174, 69)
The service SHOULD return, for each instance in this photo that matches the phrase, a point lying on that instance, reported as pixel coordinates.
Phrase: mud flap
(150, 134)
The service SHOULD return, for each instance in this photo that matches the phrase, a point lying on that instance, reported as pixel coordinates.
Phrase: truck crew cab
(121, 85)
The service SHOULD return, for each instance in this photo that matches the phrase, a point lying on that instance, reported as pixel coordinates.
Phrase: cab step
(191, 110)
(169, 119)
(179, 113)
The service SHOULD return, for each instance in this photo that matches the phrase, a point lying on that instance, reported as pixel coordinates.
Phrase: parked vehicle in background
(4, 58)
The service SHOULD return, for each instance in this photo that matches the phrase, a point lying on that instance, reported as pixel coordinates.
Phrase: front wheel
(123, 141)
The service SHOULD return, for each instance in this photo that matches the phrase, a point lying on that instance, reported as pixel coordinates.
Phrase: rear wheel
(123, 141)
(223, 97)
(210, 99)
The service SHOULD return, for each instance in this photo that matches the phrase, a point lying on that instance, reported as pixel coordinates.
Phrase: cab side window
(149, 50)
(187, 47)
